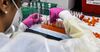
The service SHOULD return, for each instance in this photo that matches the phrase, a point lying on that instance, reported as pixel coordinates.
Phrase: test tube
(42, 8)
(57, 22)
(34, 4)
(38, 9)
(76, 13)
(44, 20)
(31, 4)
(60, 23)
(49, 5)
(48, 21)
(71, 12)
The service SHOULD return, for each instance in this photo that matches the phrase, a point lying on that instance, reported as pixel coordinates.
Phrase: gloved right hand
(54, 14)
(32, 19)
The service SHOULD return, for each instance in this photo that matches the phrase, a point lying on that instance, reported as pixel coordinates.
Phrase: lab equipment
(53, 22)
(43, 34)
(43, 9)
(47, 5)
(66, 4)
(39, 9)
(25, 4)
(91, 21)
(48, 33)
(33, 8)
(26, 11)
(54, 27)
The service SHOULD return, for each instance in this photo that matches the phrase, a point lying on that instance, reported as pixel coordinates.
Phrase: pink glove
(32, 19)
(54, 14)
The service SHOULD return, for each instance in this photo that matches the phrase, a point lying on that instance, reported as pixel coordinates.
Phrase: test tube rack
(90, 22)
(97, 35)
(57, 27)
(60, 30)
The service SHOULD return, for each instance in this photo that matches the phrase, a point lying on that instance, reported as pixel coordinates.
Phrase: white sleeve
(87, 43)
(28, 42)
(22, 27)
(3, 39)
(71, 24)
(23, 42)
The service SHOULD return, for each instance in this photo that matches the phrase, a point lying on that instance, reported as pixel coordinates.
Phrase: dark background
(77, 5)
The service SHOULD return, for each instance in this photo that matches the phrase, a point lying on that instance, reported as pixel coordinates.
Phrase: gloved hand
(54, 14)
(32, 19)
(71, 24)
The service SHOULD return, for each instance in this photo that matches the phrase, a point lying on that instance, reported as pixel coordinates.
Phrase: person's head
(7, 12)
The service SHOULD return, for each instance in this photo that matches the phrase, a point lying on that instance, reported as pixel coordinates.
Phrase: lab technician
(10, 17)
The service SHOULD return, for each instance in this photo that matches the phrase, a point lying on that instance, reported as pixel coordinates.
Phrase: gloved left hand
(32, 19)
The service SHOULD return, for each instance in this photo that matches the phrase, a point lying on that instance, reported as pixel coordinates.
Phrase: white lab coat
(30, 42)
